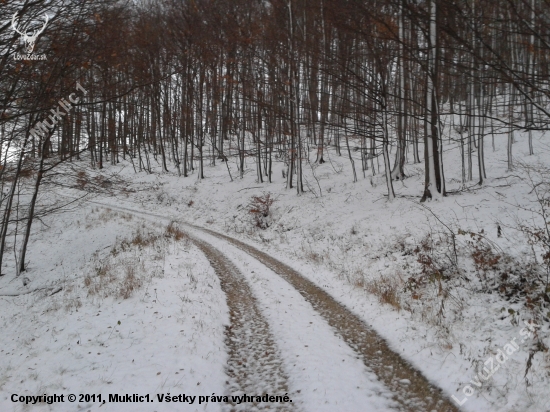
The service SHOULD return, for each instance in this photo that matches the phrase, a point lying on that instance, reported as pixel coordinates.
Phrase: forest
(345, 203)
(186, 83)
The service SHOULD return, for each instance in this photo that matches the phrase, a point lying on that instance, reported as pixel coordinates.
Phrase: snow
(323, 370)
(166, 338)
(340, 235)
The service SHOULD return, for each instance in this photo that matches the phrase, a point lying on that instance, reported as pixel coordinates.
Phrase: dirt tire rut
(412, 390)
(248, 338)
(254, 366)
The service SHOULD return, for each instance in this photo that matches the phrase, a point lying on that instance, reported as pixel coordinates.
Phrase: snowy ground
(167, 337)
(343, 236)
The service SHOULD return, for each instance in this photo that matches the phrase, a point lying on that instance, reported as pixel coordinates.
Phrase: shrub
(386, 289)
(174, 232)
(142, 240)
(483, 254)
(130, 283)
(260, 209)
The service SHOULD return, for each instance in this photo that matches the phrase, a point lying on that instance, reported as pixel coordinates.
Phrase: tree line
(181, 83)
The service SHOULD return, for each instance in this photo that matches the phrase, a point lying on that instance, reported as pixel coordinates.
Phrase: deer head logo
(29, 37)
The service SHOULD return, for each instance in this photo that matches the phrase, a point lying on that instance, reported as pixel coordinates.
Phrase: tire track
(254, 366)
(412, 390)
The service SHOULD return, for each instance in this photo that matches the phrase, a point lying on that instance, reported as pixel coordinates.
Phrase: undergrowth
(433, 277)
(132, 263)
(259, 208)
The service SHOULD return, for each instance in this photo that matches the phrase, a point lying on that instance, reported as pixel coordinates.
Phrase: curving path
(254, 360)
(411, 389)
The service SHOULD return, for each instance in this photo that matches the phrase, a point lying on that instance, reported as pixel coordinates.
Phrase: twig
(249, 188)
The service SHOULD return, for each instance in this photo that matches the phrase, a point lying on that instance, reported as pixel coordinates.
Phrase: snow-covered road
(331, 359)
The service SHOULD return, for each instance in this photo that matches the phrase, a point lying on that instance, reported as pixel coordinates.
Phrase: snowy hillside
(119, 301)
(298, 205)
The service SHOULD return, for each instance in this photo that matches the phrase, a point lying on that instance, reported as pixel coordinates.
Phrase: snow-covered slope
(448, 315)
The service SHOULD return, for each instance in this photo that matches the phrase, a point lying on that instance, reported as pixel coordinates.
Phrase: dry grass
(174, 232)
(143, 239)
(120, 281)
(72, 304)
(314, 257)
(100, 216)
(25, 173)
(131, 264)
(130, 283)
(100, 282)
(386, 289)
(360, 283)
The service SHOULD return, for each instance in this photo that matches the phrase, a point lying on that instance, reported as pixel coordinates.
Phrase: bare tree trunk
(30, 216)
(398, 172)
(511, 102)
(433, 184)
(11, 195)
